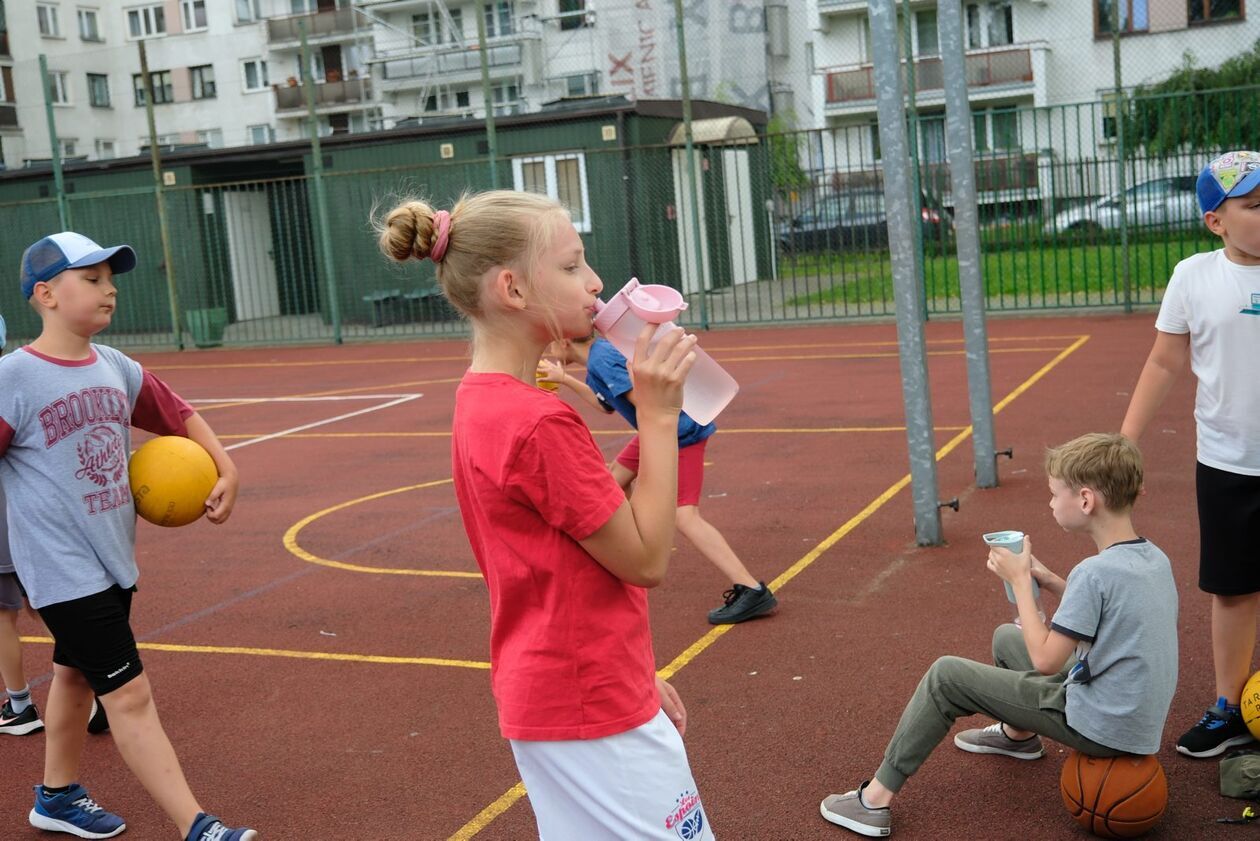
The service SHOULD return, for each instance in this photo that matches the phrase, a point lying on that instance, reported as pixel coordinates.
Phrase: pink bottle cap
(655, 304)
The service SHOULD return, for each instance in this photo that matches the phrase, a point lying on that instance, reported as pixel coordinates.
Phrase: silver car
(1161, 202)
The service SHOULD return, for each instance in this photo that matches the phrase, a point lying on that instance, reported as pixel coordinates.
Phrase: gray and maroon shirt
(65, 437)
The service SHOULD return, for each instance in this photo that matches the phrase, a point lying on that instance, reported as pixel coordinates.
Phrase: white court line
(298, 399)
(405, 398)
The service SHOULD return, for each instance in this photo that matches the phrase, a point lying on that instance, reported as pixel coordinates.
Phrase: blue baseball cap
(53, 254)
(1232, 174)
(4, 336)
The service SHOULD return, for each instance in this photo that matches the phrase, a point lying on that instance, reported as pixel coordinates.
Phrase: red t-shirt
(570, 648)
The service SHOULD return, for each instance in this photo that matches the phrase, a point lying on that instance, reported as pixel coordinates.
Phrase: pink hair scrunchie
(441, 224)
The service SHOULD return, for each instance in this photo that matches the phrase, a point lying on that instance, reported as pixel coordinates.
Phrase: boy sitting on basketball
(67, 406)
(1100, 679)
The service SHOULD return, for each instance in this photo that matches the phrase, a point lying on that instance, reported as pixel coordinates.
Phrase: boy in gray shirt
(1100, 679)
(67, 407)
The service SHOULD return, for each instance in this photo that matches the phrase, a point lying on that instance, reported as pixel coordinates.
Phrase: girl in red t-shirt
(566, 557)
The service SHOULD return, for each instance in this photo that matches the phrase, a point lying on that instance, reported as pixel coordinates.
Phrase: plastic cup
(546, 385)
(1014, 541)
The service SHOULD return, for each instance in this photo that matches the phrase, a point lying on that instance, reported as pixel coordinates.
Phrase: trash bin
(207, 325)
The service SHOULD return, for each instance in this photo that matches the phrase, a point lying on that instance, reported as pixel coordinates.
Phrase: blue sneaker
(74, 812)
(209, 828)
(1219, 730)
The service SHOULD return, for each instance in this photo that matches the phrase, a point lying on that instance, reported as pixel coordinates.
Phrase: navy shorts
(1229, 526)
(93, 635)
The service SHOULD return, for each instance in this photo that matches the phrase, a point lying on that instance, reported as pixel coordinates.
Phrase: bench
(386, 306)
(428, 304)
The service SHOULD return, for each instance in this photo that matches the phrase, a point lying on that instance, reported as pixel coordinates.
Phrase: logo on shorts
(687, 818)
(102, 455)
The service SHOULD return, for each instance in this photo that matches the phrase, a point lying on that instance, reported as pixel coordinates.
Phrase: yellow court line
(508, 798)
(290, 538)
(725, 431)
(296, 655)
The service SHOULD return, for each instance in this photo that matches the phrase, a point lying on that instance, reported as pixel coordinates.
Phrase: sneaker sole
(764, 609)
(970, 748)
(23, 729)
(855, 826)
(1216, 751)
(53, 825)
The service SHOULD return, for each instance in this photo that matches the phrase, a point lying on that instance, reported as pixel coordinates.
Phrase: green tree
(1197, 108)
(785, 153)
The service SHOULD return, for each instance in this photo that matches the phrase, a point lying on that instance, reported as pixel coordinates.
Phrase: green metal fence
(792, 228)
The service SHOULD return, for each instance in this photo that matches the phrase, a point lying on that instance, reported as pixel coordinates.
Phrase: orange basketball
(1117, 797)
(171, 477)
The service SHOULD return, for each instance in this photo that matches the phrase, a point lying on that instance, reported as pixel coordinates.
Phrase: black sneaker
(741, 603)
(1216, 732)
(19, 724)
(98, 723)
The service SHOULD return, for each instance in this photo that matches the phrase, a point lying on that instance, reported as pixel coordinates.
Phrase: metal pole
(916, 181)
(155, 155)
(685, 82)
(1118, 105)
(967, 234)
(491, 145)
(902, 218)
(63, 206)
(322, 232)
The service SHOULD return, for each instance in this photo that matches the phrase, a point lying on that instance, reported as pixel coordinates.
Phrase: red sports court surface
(320, 662)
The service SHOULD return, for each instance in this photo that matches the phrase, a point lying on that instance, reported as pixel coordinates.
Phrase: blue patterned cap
(53, 254)
(1232, 174)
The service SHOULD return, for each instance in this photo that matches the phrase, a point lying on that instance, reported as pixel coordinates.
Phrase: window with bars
(98, 90)
(562, 177)
(1211, 11)
(163, 91)
(202, 81)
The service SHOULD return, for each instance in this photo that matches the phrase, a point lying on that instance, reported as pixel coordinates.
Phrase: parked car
(1160, 202)
(854, 220)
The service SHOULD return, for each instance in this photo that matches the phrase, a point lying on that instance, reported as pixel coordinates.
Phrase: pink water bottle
(708, 388)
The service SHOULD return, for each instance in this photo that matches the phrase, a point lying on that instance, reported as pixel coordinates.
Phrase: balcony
(345, 92)
(995, 67)
(321, 27)
(841, 7)
(8, 116)
(451, 65)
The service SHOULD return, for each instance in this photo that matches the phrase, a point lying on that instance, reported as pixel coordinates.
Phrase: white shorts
(635, 786)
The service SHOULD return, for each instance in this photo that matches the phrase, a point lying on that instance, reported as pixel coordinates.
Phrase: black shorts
(1229, 525)
(93, 635)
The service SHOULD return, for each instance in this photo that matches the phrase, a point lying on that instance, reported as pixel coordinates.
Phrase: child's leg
(1233, 642)
(65, 725)
(710, 543)
(10, 651)
(145, 748)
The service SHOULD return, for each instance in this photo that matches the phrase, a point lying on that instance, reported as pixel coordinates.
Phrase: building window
(259, 135)
(212, 137)
(1005, 129)
(498, 18)
(163, 92)
(1002, 23)
(573, 14)
(1210, 11)
(925, 29)
(49, 25)
(202, 81)
(146, 21)
(248, 11)
(69, 147)
(434, 28)
(98, 90)
(105, 149)
(1108, 115)
(194, 14)
(317, 66)
(254, 72)
(89, 26)
(1134, 15)
(505, 94)
(57, 90)
(562, 177)
(877, 151)
(979, 132)
(302, 7)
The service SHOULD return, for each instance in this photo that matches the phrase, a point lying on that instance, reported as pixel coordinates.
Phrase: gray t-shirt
(1121, 607)
(65, 438)
(6, 560)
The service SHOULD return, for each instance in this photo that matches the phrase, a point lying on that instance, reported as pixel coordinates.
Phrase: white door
(250, 245)
(693, 248)
(739, 215)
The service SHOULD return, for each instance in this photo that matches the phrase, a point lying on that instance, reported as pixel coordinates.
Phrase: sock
(53, 792)
(862, 800)
(19, 699)
(1226, 707)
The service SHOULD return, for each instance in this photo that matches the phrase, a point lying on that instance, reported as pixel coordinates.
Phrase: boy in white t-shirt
(1210, 316)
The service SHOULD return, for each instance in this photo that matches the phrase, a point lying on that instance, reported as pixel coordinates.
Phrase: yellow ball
(1250, 704)
(171, 477)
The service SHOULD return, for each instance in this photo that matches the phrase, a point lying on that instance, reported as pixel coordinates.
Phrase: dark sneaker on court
(743, 603)
(993, 739)
(209, 828)
(75, 813)
(98, 723)
(1218, 731)
(848, 811)
(19, 724)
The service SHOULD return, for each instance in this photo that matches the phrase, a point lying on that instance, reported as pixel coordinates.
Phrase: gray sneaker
(993, 739)
(846, 810)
